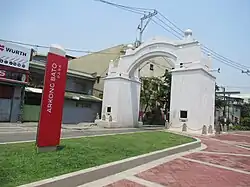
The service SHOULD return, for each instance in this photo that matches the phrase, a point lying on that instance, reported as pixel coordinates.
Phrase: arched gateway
(192, 91)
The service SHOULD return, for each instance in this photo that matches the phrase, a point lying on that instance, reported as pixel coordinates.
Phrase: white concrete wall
(189, 53)
(121, 94)
(194, 91)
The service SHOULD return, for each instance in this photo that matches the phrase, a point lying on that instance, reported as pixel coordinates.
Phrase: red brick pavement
(231, 137)
(124, 183)
(245, 133)
(183, 173)
(217, 146)
(236, 162)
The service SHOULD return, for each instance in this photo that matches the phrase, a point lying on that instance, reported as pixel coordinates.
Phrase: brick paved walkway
(223, 163)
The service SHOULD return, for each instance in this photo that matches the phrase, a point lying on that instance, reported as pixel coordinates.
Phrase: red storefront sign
(2, 74)
(11, 75)
(49, 129)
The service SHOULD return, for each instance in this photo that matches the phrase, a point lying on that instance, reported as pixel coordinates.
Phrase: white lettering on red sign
(54, 75)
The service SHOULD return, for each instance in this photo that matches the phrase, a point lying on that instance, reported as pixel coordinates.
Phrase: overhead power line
(176, 33)
(172, 28)
(224, 58)
(220, 59)
(128, 7)
(165, 28)
(174, 25)
(66, 49)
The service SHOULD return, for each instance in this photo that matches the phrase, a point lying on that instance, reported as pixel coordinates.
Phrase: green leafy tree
(155, 92)
(245, 110)
(151, 92)
(167, 78)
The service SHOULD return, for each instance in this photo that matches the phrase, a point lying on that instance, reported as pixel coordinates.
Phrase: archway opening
(153, 71)
(169, 57)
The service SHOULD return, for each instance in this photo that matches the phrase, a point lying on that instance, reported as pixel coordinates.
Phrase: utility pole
(224, 99)
(143, 26)
(224, 107)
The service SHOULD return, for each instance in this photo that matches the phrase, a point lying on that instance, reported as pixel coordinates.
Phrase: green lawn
(20, 164)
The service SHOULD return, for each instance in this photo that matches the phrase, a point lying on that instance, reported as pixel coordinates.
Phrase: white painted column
(122, 95)
(193, 91)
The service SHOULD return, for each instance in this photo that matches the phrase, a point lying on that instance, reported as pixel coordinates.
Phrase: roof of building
(243, 96)
(69, 95)
(42, 54)
(96, 62)
(73, 73)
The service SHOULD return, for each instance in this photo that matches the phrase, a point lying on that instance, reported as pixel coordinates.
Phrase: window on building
(109, 109)
(151, 67)
(32, 98)
(183, 114)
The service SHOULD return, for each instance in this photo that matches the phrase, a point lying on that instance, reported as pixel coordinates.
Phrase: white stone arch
(155, 47)
(145, 57)
(122, 84)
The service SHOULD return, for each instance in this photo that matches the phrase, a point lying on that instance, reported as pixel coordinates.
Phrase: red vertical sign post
(49, 129)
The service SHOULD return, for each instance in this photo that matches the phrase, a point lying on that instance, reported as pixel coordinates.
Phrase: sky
(221, 25)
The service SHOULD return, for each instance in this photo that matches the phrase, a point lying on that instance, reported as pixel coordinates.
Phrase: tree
(151, 92)
(167, 83)
(245, 110)
(155, 92)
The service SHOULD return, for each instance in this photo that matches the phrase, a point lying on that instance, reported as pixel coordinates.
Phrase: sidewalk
(79, 126)
(197, 168)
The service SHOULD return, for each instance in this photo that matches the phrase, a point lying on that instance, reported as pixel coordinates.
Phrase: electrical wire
(224, 58)
(177, 36)
(177, 32)
(66, 49)
(180, 34)
(218, 58)
(123, 6)
(174, 25)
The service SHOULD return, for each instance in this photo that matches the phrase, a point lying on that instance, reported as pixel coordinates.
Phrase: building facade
(79, 105)
(14, 73)
(231, 112)
(99, 62)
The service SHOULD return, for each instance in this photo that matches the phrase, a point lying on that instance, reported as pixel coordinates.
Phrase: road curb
(91, 174)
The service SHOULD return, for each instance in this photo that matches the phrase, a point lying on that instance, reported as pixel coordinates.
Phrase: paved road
(28, 136)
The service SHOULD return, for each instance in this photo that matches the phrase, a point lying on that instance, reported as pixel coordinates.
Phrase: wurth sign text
(14, 55)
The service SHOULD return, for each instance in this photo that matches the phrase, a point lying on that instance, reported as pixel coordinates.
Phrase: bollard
(218, 128)
(210, 129)
(97, 116)
(103, 117)
(204, 129)
(167, 125)
(110, 118)
(140, 118)
(225, 128)
(184, 127)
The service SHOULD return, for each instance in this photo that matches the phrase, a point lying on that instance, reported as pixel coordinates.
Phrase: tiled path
(225, 162)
